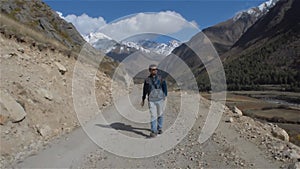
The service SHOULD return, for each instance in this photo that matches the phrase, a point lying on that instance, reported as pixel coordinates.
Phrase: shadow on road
(124, 127)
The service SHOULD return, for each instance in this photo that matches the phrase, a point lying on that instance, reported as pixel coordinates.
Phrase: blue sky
(204, 12)
(177, 18)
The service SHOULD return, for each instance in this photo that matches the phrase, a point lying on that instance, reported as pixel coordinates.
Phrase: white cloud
(84, 23)
(166, 23)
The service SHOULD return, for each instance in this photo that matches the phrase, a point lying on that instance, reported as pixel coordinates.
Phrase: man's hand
(143, 103)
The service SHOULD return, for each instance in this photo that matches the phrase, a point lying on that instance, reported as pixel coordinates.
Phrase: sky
(150, 15)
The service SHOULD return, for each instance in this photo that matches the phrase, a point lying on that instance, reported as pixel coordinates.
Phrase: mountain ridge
(224, 34)
(269, 51)
(47, 22)
(282, 39)
(112, 48)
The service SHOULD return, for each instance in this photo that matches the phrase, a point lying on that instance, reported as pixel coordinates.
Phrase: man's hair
(152, 65)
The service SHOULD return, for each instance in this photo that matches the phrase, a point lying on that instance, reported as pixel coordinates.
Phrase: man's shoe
(160, 131)
(152, 134)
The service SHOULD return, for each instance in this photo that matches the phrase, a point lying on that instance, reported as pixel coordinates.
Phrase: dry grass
(21, 30)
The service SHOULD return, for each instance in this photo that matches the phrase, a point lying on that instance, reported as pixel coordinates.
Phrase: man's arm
(145, 90)
(164, 87)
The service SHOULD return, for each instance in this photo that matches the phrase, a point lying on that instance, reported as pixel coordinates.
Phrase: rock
(279, 147)
(21, 50)
(103, 88)
(280, 133)
(47, 94)
(106, 103)
(295, 165)
(230, 120)
(44, 130)
(237, 111)
(3, 119)
(25, 57)
(13, 54)
(61, 68)
(21, 39)
(15, 110)
(293, 154)
(42, 47)
(7, 56)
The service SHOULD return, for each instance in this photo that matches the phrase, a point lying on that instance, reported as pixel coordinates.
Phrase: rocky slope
(282, 19)
(40, 17)
(269, 51)
(36, 67)
(225, 34)
(36, 97)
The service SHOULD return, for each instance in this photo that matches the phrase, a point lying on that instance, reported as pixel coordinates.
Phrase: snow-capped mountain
(152, 46)
(258, 11)
(106, 44)
(135, 46)
(100, 41)
(223, 35)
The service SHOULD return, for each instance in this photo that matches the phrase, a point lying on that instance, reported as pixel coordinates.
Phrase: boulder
(237, 111)
(44, 130)
(280, 133)
(230, 120)
(61, 68)
(16, 112)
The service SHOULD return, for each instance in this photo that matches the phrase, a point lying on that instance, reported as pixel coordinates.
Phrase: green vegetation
(274, 62)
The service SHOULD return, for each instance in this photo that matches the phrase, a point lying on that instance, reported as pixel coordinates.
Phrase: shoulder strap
(160, 80)
(147, 80)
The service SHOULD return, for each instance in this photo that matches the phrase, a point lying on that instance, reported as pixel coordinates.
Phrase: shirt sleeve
(164, 87)
(145, 90)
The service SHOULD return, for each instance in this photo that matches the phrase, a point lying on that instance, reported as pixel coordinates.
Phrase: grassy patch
(17, 29)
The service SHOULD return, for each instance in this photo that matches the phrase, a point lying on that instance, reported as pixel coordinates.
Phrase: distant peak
(258, 11)
(95, 36)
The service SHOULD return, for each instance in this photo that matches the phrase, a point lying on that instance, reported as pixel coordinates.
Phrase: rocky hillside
(225, 34)
(282, 19)
(35, 23)
(40, 17)
(37, 58)
(268, 53)
(36, 102)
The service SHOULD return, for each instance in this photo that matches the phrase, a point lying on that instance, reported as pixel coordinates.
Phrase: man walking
(156, 90)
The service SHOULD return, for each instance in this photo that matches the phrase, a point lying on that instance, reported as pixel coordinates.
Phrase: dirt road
(227, 148)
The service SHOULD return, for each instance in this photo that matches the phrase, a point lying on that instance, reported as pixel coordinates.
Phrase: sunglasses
(153, 69)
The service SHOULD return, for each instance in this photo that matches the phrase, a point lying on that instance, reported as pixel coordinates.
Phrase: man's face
(153, 70)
